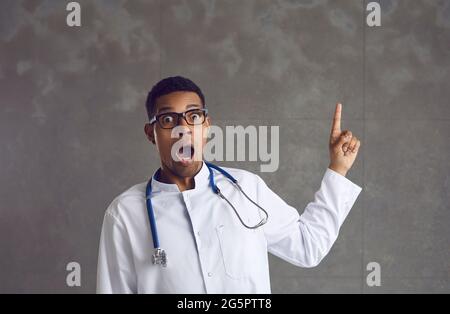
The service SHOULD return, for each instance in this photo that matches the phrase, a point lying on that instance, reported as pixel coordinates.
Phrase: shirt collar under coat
(201, 179)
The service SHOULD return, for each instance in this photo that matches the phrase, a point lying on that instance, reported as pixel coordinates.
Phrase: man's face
(180, 148)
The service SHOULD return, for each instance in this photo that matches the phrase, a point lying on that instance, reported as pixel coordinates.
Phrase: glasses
(169, 120)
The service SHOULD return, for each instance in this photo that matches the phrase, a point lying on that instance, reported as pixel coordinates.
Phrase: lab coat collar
(201, 179)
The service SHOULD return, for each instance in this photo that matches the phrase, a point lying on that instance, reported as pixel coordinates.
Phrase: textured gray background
(72, 116)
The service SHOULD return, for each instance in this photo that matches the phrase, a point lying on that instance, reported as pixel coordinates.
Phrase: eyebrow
(168, 108)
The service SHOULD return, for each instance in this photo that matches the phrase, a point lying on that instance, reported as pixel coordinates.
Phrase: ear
(208, 121)
(150, 132)
(207, 124)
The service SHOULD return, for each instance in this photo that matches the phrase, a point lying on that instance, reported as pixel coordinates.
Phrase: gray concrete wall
(72, 116)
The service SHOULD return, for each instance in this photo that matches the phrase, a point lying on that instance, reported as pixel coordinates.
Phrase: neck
(183, 183)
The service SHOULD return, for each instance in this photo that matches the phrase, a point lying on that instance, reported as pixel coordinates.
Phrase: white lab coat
(208, 249)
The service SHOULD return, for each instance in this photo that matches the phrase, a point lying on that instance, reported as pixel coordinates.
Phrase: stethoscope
(160, 256)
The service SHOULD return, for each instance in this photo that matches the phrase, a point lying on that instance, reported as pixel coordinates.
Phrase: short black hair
(167, 86)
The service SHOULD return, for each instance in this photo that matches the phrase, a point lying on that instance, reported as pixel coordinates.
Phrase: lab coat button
(209, 274)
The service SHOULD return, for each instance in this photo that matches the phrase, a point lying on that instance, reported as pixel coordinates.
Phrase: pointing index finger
(336, 127)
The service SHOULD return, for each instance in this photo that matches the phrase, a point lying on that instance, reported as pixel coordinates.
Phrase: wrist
(339, 170)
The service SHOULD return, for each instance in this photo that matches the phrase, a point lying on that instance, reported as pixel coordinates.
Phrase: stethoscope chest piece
(159, 257)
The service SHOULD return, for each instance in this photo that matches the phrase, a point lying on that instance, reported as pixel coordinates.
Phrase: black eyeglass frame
(180, 114)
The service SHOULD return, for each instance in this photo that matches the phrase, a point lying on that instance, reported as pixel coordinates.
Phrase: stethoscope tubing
(216, 190)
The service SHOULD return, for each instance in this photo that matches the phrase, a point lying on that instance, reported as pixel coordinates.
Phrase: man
(209, 250)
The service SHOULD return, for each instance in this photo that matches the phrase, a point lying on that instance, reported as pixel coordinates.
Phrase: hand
(344, 146)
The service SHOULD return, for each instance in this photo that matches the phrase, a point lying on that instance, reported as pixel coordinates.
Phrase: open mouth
(186, 154)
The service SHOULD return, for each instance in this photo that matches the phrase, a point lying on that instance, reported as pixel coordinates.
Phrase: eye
(195, 116)
(167, 119)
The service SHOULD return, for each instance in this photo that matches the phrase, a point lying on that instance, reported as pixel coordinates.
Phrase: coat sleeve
(304, 240)
(115, 268)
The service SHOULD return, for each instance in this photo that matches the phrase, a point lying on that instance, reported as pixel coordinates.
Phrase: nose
(182, 122)
(183, 128)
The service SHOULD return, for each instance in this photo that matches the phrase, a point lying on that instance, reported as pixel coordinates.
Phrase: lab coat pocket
(237, 246)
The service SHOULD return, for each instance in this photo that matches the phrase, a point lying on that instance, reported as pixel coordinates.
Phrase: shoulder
(127, 201)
